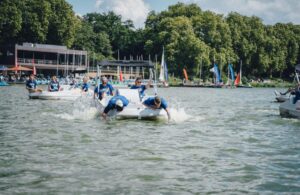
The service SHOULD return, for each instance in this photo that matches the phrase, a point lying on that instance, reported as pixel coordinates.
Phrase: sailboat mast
(200, 69)
(155, 68)
(220, 79)
(228, 79)
(241, 72)
(162, 68)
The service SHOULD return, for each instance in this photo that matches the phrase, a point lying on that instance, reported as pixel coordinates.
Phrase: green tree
(10, 21)
(62, 23)
(36, 15)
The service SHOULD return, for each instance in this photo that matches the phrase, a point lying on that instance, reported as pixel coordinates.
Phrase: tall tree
(10, 21)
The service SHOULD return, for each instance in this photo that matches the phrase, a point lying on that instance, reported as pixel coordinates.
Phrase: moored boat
(3, 83)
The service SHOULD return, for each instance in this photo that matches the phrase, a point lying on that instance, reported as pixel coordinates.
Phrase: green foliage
(192, 34)
(62, 23)
(192, 38)
(10, 21)
(122, 35)
(37, 21)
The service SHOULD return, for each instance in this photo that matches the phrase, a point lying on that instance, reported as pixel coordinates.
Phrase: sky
(270, 11)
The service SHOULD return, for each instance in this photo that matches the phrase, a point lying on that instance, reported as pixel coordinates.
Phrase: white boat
(135, 108)
(288, 109)
(280, 98)
(67, 93)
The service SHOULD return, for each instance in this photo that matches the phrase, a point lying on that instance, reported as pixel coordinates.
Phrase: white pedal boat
(67, 93)
(280, 98)
(288, 109)
(135, 108)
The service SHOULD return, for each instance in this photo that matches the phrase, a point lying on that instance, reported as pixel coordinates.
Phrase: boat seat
(131, 94)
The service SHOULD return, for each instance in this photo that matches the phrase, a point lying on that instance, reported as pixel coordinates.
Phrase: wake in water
(84, 109)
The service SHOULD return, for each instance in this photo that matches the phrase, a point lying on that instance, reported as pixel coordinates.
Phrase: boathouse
(128, 69)
(46, 59)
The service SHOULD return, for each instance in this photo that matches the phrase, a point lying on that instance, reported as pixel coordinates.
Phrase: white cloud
(135, 10)
(271, 11)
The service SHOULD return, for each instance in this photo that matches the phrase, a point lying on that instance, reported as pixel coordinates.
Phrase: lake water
(219, 141)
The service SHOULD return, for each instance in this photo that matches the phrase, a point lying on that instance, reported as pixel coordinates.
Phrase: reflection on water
(219, 141)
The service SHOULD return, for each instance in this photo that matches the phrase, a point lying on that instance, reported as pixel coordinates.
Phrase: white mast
(162, 67)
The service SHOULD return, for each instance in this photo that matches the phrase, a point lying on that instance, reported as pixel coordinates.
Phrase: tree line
(192, 38)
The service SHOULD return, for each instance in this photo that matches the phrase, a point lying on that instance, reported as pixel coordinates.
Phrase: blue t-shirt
(31, 84)
(85, 87)
(112, 103)
(141, 89)
(108, 89)
(297, 96)
(150, 102)
(54, 86)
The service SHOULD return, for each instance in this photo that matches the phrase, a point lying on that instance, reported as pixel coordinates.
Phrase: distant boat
(231, 80)
(217, 77)
(3, 83)
(238, 80)
(163, 75)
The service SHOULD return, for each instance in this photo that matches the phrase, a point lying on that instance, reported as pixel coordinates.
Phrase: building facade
(129, 69)
(47, 59)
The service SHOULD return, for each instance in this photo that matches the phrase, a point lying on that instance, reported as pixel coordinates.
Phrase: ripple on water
(220, 141)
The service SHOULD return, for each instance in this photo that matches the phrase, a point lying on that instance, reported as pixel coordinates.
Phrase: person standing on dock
(31, 85)
(103, 89)
(53, 85)
(117, 102)
(138, 85)
(157, 103)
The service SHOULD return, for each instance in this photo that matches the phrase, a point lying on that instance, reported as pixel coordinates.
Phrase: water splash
(83, 109)
(85, 114)
(179, 115)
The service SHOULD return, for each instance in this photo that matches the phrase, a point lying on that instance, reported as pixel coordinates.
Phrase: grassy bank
(274, 83)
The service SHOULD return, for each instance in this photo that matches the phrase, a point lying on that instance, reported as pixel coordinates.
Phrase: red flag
(185, 74)
(121, 75)
(34, 70)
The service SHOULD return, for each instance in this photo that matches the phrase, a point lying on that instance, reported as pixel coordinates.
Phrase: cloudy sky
(271, 11)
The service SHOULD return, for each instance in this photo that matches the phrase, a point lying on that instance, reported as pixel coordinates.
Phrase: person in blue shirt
(138, 85)
(85, 85)
(157, 103)
(53, 85)
(117, 102)
(103, 89)
(296, 92)
(31, 85)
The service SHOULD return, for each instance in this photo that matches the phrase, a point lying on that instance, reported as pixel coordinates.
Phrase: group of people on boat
(118, 102)
(294, 91)
(53, 86)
